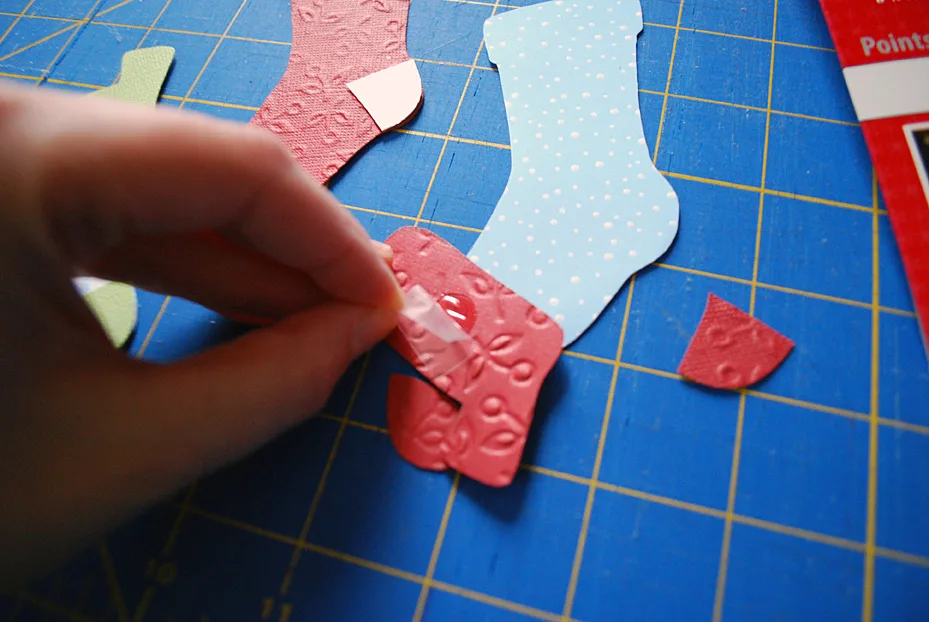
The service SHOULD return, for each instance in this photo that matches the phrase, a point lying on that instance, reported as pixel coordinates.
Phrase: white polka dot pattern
(584, 208)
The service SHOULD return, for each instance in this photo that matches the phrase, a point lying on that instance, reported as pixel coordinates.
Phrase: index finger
(109, 171)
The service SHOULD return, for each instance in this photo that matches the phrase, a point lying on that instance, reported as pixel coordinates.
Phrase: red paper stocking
(349, 79)
(512, 348)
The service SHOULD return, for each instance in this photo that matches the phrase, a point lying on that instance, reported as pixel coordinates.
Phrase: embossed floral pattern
(493, 394)
(334, 42)
(731, 349)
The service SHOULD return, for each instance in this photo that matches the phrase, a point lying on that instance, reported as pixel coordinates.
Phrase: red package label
(883, 47)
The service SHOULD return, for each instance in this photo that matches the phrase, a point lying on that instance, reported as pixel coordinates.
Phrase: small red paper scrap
(482, 432)
(731, 349)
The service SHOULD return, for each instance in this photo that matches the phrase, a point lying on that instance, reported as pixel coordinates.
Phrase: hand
(179, 204)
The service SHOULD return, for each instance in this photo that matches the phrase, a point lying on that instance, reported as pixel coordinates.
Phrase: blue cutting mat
(642, 497)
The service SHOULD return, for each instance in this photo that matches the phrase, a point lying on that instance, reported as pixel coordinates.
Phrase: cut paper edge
(391, 96)
(142, 76)
(419, 420)
(731, 349)
(475, 418)
(115, 305)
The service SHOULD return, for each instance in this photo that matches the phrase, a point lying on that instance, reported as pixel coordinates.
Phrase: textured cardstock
(115, 305)
(584, 208)
(423, 424)
(338, 46)
(141, 77)
(731, 349)
(513, 347)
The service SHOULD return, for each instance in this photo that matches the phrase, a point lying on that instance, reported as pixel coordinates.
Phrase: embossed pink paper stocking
(513, 347)
(349, 78)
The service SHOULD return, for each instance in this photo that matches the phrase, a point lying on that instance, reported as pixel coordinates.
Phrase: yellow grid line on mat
(722, 573)
(16, 19)
(112, 580)
(671, 174)
(838, 300)
(50, 608)
(166, 550)
(64, 46)
(761, 524)
(118, 598)
(772, 397)
(479, 67)
(669, 26)
(151, 27)
(321, 487)
(803, 46)
(453, 492)
(149, 592)
(578, 560)
(762, 395)
(457, 139)
(907, 558)
(369, 565)
(116, 594)
(693, 271)
(718, 102)
(219, 42)
(766, 525)
(867, 597)
(436, 549)
(39, 41)
(73, 26)
(451, 127)
(900, 312)
(667, 86)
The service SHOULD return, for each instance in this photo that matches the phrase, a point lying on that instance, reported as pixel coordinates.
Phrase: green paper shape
(116, 307)
(142, 76)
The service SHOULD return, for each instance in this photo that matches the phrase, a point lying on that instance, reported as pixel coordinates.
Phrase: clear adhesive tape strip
(451, 347)
(422, 309)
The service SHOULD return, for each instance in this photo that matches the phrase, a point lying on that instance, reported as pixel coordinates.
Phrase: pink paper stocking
(476, 414)
(349, 79)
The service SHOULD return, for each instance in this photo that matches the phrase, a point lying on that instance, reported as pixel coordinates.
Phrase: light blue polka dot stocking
(584, 208)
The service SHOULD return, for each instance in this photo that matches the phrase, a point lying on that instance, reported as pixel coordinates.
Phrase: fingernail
(373, 327)
(385, 251)
(399, 299)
